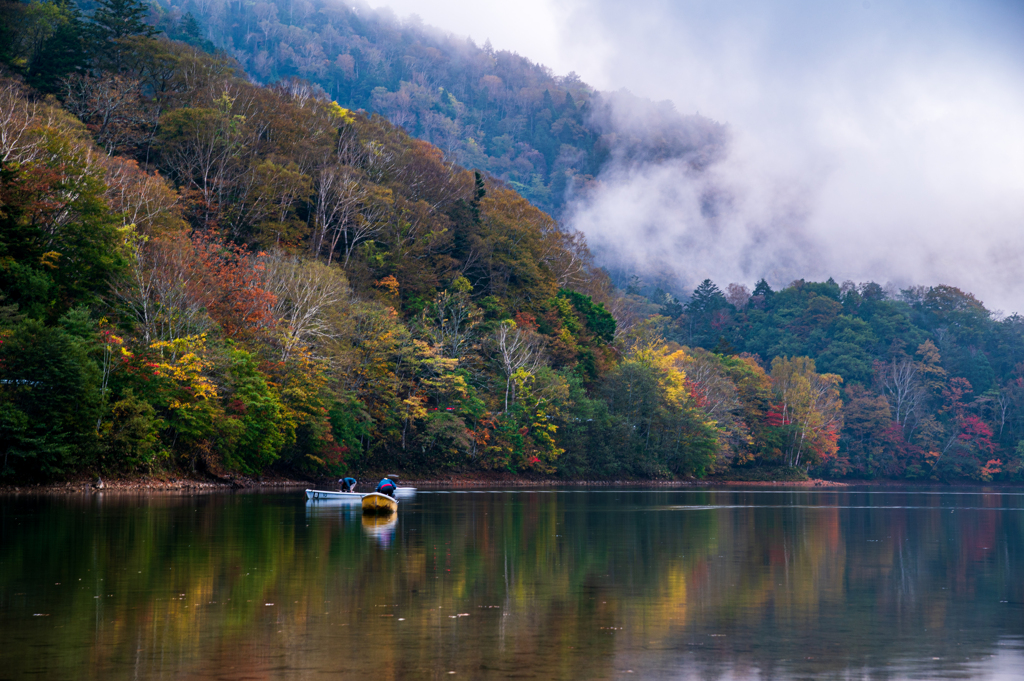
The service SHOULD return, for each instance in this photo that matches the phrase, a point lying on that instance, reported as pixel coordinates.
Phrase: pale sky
(871, 140)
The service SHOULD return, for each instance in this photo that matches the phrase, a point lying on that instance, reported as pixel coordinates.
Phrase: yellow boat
(375, 502)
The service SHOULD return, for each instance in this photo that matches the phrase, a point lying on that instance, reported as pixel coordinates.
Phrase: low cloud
(879, 150)
(867, 140)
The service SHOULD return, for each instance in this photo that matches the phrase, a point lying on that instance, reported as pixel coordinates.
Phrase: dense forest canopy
(547, 136)
(203, 273)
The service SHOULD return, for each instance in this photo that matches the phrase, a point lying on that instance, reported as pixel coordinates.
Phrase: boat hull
(327, 494)
(382, 504)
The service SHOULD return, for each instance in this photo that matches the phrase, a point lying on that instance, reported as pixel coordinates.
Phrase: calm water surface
(603, 584)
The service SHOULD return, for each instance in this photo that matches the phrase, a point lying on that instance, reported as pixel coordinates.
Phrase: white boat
(337, 496)
(405, 492)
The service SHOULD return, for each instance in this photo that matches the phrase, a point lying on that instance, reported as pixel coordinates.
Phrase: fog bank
(867, 140)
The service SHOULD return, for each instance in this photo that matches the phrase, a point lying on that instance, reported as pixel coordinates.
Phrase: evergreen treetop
(118, 19)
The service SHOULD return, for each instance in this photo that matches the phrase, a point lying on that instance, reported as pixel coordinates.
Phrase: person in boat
(387, 487)
(348, 484)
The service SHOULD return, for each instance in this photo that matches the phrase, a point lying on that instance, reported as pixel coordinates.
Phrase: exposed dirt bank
(474, 481)
(148, 485)
(197, 485)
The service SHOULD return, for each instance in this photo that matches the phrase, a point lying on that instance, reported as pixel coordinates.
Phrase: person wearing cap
(348, 484)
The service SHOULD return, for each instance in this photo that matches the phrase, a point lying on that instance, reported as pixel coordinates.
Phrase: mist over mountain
(859, 142)
(546, 136)
(554, 139)
(887, 138)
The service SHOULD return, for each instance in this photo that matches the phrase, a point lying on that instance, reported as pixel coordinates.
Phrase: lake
(490, 584)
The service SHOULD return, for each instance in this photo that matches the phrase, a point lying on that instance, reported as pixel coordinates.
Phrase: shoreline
(178, 485)
(184, 485)
(149, 486)
(478, 482)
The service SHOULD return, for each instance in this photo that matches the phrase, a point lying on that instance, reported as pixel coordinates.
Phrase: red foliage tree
(978, 433)
(238, 301)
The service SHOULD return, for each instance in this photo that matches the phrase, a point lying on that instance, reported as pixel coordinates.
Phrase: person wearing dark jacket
(387, 487)
(348, 484)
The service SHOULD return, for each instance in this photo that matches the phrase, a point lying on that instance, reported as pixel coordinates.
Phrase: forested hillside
(497, 111)
(933, 385)
(205, 274)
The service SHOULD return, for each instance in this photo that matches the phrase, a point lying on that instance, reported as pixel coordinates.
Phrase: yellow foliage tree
(811, 406)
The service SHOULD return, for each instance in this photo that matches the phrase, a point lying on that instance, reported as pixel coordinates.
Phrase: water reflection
(492, 583)
(350, 510)
(381, 528)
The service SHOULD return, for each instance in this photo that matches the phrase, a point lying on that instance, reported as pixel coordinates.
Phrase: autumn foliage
(202, 274)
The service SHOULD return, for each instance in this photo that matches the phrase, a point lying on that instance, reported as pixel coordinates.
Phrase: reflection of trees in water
(563, 584)
(823, 590)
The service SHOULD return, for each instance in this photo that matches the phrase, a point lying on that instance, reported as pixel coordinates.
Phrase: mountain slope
(496, 111)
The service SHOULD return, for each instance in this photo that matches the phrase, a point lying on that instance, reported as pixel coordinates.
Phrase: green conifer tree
(62, 53)
(117, 19)
(113, 23)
